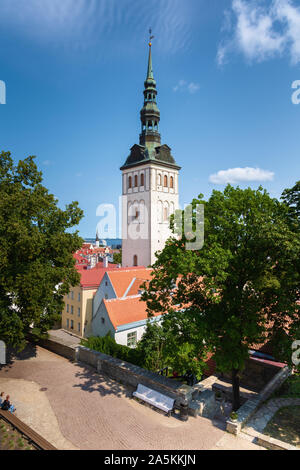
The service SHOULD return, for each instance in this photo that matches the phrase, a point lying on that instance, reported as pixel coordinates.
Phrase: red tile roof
(126, 310)
(122, 278)
(137, 286)
(91, 278)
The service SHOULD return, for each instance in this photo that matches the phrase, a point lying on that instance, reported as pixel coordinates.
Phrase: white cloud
(182, 85)
(262, 31)
(47, 162)
(289, 14)
(237, 175)
(80, 23)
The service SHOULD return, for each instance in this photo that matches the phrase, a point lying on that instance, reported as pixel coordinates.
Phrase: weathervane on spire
(151, 37)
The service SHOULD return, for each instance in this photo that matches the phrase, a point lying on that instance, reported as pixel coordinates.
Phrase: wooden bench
(156, 399)
(29, 433)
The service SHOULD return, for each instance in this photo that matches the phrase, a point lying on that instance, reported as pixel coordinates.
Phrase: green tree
(36, 263)
(151, 347)
(291, 198)
(117, 258)
(240, 289)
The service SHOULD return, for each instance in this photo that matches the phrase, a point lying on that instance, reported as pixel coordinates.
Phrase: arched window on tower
(142, 212)
(159, 180)
(136, 181)
(142, 179)
(166, 212)
(129, 182)
(135, 260)
(165, 181)
(172, 182)
(159, 211)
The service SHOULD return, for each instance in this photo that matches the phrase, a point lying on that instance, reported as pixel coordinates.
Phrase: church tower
(150, 186)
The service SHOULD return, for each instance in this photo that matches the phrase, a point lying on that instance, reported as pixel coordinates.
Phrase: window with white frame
(132, 339)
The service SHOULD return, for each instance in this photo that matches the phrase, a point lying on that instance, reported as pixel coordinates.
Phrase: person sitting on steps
(7, 406)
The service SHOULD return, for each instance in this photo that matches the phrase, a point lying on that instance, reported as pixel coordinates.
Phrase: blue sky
(74, 73)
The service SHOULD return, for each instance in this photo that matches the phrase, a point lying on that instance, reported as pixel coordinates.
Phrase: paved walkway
(73, 407)
(261, 418)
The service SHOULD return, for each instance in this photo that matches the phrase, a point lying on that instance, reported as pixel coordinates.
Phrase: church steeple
(150, 69)
(150, 148)
(150, 114)
(150, 179)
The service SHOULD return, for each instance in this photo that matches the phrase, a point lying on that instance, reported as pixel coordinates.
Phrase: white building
(124, 319)
(150, 187)
(118, 284)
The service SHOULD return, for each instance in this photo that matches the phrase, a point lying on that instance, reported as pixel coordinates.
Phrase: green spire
(150, 70)
(150, 148)
(150, 115)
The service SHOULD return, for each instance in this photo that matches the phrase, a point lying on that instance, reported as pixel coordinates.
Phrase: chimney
(92, 262)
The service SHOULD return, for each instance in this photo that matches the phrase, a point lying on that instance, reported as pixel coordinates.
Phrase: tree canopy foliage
(36, 263)
(240, 289)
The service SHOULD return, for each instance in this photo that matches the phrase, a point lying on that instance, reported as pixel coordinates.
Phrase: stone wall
(65, 350)
(248, 409)
(256, 374)
(129, 374)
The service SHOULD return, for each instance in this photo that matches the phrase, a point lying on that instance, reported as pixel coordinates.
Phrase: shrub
(107, 345)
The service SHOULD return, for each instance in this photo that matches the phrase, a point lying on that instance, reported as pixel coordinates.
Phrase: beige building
(78, 311)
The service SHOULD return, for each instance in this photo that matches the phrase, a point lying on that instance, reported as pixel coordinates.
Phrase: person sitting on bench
(1, 398)
(7, 406)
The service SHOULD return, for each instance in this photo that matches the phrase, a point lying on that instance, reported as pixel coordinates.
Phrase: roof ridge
(122, 298)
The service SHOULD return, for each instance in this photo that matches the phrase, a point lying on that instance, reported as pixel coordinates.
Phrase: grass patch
(11, 439)
(285, 425)
(289, 389)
